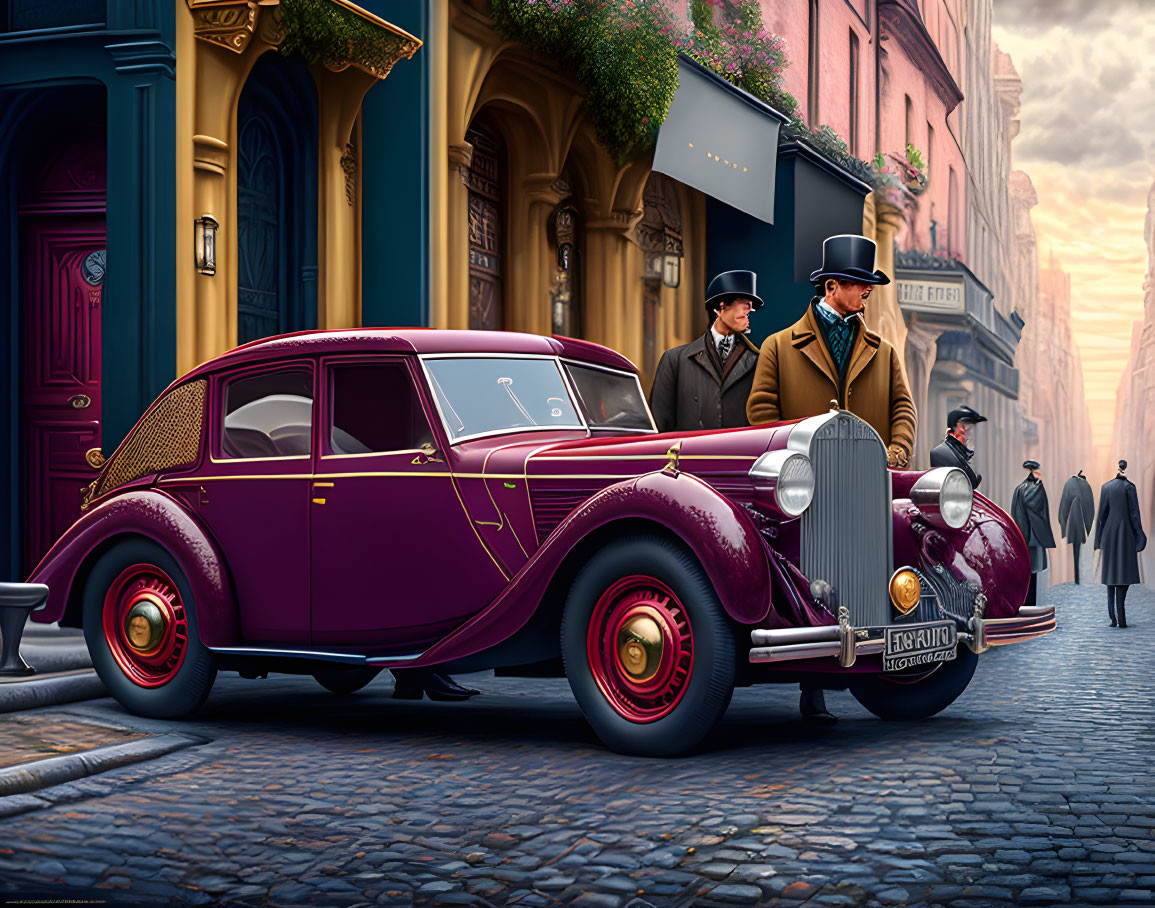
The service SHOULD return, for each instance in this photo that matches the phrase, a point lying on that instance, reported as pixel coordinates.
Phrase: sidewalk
(64, 671)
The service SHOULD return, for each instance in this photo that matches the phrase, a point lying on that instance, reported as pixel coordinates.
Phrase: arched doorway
(61, 259)
(659, 234)
(486, 184)
(276, 200)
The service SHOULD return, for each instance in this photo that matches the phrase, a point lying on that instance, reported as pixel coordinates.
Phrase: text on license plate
(921, 644)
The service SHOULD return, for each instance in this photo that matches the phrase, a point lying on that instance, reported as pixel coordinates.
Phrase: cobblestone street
(1035, 788)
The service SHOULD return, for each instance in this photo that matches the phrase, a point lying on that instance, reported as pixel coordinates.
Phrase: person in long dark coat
(1032, 513)
(955, 450)
(704, 384)
(1120, 536)
(1076, 513)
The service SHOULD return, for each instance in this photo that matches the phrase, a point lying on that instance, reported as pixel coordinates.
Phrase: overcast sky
(1088, 143)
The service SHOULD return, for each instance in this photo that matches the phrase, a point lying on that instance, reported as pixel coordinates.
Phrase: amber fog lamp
(905, 590)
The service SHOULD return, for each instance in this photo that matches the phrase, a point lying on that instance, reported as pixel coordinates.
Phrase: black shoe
(442, 687)
(408, 685)
(1115, 624)
(1122, 625)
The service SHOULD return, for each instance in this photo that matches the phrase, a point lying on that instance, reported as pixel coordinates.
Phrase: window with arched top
(485, 182)
(659, 233)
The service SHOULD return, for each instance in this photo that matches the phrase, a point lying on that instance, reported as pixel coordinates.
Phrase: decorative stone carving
(230, 27)
(271, 28)
(349, 167)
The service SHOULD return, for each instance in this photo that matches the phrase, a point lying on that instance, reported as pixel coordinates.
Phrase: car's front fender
(720, 534)
(154, 515)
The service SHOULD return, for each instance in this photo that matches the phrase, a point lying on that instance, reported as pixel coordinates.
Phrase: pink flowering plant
(729, 38)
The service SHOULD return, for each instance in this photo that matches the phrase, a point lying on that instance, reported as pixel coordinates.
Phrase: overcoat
(1076, 510)
(1032, 513)
(796, 377)
(1119, 532)
(953, 453)
(691, 392)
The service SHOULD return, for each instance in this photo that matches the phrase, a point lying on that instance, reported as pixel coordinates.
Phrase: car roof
(410, 340)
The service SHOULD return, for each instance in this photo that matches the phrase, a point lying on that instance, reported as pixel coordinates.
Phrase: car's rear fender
(719, 533)
(153, 515)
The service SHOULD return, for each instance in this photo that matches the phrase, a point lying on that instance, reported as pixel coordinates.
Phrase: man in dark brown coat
(704, 384)
(830, 354)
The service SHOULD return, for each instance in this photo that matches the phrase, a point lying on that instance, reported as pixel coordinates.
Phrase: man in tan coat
(830, 354)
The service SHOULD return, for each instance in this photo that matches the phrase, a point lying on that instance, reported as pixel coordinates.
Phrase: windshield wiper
(508, 383)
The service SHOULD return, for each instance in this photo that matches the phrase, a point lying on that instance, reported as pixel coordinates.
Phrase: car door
(395, 559)
(254, 495)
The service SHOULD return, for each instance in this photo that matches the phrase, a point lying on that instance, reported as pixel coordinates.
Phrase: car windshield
(611, 400)
(482, 396)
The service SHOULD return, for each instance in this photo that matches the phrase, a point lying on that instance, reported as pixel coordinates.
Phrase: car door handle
(321, 485)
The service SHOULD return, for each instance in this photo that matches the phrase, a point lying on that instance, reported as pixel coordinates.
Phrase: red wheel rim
(640, 648)
(145, 625)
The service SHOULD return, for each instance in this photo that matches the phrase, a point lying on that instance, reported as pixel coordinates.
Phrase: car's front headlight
(945, 496)
(791, 477)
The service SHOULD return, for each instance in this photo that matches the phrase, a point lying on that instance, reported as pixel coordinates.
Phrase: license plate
(918, 644)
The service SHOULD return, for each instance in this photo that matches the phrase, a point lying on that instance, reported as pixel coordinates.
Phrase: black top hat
(731, 285)
(1030, 464)
(849, 257)
(964, 413)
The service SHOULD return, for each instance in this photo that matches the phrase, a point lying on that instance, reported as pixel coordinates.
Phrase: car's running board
(319, 655)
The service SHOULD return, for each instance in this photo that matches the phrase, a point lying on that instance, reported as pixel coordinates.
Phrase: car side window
(269, 415)
(374, 408)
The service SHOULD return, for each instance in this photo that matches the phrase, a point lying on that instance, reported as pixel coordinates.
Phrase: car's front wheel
(141, 628)
(916, 695)
(648, 650)
(345, 680)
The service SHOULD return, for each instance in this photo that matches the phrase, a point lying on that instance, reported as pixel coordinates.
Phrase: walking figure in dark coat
(1076, 513)
(704, 384)
(955, 451)
(1030, 510)
(1120, 535)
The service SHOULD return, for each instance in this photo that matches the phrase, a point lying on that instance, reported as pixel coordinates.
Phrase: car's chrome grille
(957, 598)
(846, 536)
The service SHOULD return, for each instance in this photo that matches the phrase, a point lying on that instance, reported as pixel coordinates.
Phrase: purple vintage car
(338, 502)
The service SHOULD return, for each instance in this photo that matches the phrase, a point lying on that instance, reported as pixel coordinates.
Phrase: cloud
(1040, 15)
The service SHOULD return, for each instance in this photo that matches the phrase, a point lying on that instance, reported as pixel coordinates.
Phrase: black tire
(894, 697)
(347, 680)
(702, 694)
(178, 692)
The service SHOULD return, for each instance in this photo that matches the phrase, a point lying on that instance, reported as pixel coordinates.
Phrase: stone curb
(34, 692)
(20, 780)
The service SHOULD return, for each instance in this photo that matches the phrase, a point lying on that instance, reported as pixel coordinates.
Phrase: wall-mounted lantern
(671, 270)
(205, 243)
(565, 233)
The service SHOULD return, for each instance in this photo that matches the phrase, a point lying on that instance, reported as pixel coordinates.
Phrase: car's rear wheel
(141, 628)
(916, 695)
(648, 650)
(345, 680)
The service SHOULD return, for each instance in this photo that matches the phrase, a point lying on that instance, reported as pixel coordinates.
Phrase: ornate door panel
(259, 178)
(64, 262)
(485, 232)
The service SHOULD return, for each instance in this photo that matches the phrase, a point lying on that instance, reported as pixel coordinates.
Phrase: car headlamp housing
(944, 496)
(790, 476)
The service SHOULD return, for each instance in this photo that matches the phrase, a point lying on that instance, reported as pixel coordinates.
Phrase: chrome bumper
(846, 643)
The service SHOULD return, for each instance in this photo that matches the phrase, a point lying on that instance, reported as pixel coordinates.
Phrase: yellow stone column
(339, 97)
(453, 262)
(613, 284)
(886, 315)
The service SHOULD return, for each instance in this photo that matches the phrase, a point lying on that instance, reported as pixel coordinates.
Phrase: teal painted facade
(395, 189)
(126, 60)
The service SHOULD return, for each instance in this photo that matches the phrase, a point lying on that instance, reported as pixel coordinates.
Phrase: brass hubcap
(145, 626)
(640, 647)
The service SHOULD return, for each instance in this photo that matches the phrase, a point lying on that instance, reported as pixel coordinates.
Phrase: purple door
(63, 273)
(395, 559)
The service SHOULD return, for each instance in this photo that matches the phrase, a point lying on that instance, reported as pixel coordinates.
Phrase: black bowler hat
(1122, 465)
(1030, 464)
(849, 257)
(730, 285)
(965, 413)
